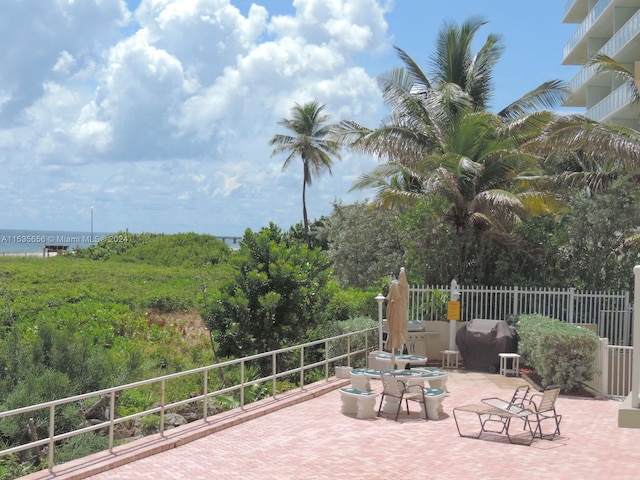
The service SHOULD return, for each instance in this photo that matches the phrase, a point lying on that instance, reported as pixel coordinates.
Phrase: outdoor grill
(416, 326)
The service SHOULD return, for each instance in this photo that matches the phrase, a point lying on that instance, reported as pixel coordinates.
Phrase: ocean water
(33, 241)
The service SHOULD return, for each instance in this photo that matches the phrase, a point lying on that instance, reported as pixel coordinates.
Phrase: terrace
(302, 434)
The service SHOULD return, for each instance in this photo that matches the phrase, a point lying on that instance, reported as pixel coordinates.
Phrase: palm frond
(480, 72)
(421, 82)
(593, 139)
(606, 64)
(546, 96)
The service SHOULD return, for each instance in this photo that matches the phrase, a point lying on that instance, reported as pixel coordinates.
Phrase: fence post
(635, 364)
(515, 306)
(454, 296)
(604, 366)
(571, 306)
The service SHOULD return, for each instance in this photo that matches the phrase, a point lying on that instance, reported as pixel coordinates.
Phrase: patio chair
(395, 390)
(544, 406)
(495, 415)
(518, 399)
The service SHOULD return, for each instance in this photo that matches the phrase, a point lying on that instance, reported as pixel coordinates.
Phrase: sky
(155, 115)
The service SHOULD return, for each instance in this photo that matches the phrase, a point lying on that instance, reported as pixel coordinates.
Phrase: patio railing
(339, 350)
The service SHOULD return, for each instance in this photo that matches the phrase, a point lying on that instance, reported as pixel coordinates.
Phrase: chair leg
(399, 407)
(381, 402)
(538, 429)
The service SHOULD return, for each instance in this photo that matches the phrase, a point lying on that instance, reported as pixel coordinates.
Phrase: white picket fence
(609, 313)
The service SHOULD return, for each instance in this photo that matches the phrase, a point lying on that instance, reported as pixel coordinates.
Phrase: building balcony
(597, 23)
(622, 47)
(575, 11)
(617, 108)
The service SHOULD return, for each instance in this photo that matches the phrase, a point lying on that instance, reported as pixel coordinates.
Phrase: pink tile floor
(299, 437)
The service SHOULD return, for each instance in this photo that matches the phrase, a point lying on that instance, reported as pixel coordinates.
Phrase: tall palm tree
(453, 62)
(439, 138)
(478, 167)
(420, 107)
(310, 141)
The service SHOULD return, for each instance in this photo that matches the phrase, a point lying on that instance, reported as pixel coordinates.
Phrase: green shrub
(341, 346)
(80, 446)
(351, 302)
(561, 353)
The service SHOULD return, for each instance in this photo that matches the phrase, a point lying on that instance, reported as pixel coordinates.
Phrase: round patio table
(402, 360)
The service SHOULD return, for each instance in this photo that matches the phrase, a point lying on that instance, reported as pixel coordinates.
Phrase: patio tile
(311, 439)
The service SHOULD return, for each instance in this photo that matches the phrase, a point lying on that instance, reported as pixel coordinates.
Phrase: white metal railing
(623, 36)
(585, 26)
(568, 4)
(582, 77)
(620, 371)
(600, 380)
(613, 370)
(609, 311)
(335, 350)
(619, 98)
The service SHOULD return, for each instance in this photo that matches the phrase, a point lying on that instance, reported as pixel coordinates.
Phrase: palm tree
(311, 142)
(439, 139)
(420, 107)
(477, 165)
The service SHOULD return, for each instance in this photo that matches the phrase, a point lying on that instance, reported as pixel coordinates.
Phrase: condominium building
(611, 27)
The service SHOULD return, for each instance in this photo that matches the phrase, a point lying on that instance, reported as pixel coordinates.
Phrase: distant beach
(32, 243)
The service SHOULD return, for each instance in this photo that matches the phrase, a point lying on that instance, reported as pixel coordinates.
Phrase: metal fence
(608, 312)
(613, 370)
(291, 363)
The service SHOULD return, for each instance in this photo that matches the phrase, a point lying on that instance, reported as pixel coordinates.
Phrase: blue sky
(157, 113)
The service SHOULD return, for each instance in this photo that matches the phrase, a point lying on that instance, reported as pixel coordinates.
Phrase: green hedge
(560, 353)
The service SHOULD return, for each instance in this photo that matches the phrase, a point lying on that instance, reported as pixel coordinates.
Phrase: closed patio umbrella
(396, 324)
(403, 285)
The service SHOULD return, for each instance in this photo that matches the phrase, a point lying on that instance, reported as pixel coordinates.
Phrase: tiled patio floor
(313, 440)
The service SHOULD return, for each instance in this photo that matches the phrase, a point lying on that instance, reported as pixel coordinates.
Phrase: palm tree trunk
(304, 214)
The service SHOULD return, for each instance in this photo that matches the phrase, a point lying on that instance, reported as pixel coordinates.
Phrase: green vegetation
(519, 197)
(278, 294)
(561, 353)
(116, 313)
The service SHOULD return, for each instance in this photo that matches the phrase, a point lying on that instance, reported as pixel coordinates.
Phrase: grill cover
(480, 342)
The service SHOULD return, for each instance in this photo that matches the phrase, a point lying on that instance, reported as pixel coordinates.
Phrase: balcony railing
(582, 77)
(628, 31)
(568, 4)
(619, 98)
(585, 26)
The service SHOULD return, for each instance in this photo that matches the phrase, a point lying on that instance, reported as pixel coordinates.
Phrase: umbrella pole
(380, 299)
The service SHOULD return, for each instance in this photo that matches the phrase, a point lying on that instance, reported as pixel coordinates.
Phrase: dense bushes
(561, 353)
(278, 293)
(180, 249)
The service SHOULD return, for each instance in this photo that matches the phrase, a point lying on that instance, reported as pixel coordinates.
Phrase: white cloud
(160, 117)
